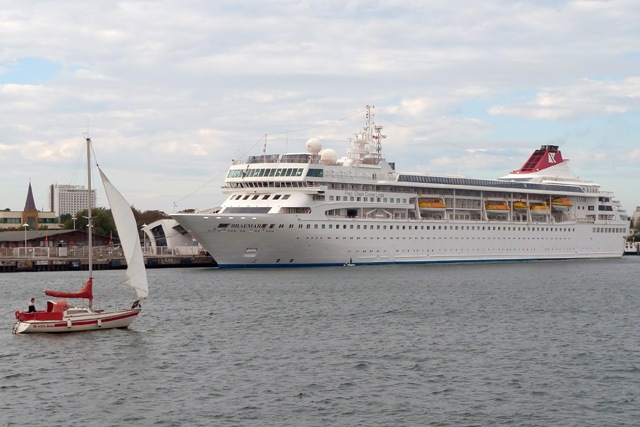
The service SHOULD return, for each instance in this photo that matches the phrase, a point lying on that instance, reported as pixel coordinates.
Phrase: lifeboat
(496, 207)
(630, 248)
(432, 205)
(540, 209)
(519, 205)
(561, 204)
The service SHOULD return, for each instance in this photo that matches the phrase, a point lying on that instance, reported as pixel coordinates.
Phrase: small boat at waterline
(632, 248)
(350, 263)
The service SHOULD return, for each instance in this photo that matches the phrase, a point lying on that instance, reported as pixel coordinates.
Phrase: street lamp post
(144, 239)
(74, 222)
(26, 226)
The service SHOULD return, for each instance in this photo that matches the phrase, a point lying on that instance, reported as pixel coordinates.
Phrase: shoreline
(16, 265)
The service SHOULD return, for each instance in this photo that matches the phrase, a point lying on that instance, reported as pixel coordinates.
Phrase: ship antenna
(362, 145)
(374, 135)
(368, 128)
(264, 149)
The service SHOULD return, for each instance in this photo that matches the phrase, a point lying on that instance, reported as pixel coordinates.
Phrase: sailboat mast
(89, 204)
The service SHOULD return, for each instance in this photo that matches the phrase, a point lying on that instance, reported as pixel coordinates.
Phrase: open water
(522, 344)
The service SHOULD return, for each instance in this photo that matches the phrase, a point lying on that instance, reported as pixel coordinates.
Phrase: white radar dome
(314, 146)
(328, 157)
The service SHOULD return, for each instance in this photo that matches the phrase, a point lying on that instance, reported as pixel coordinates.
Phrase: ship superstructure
(314, 209)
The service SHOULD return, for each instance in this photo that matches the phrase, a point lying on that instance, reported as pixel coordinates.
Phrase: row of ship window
(248, 173)
(331, 198)
(268, 172)
(440, 227)
(258, 196)
(488, 183)
(464, 249)
(369, 199)
(436, 238)
(267, 184)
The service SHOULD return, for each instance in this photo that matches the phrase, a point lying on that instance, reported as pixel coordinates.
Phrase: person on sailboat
(32, 305)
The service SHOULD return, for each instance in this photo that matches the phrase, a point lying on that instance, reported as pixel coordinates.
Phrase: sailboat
(60, 316)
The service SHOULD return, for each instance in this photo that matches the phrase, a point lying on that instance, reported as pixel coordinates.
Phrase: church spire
(30, 204)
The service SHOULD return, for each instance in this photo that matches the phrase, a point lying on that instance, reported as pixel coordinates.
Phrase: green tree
(102, 219)
(147, 217)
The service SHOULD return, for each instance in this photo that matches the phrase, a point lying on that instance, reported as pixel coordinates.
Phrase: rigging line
(73, 180)
(423, 134)
(439, 140)
(116, 286)
(110, 291)
(318, 126)
(175, 203)
(94, 157)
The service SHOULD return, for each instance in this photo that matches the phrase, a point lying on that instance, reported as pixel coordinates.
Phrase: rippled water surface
(546, 343)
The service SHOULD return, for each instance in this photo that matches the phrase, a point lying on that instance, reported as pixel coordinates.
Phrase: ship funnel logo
(552, 157)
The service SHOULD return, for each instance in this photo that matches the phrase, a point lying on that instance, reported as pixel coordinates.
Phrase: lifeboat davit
(432, 205)
(496, 207)
(540, 209)
(519, 205)
(561, 204)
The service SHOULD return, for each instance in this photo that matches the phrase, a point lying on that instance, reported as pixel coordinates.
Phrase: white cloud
(177, 89)
(583, 98)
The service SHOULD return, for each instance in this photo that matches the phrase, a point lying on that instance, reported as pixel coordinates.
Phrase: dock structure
(12, 265)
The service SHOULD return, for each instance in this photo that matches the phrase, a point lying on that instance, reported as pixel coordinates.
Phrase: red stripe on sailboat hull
(77, 325)
(90, 322)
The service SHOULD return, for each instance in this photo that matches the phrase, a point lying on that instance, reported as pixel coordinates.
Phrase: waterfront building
(636, 216)
(69, 199)
(166, 236)
(30, 215)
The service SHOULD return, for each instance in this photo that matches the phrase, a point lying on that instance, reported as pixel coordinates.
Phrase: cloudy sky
(171, 91)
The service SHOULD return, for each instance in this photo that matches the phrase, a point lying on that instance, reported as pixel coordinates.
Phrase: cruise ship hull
(268, 241)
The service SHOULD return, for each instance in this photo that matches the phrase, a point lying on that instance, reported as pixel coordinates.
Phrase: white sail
(128, 232)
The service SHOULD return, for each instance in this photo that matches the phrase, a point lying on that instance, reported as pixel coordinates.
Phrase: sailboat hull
(30, 323)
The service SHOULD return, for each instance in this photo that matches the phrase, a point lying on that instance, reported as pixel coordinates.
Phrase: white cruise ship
(317, 209)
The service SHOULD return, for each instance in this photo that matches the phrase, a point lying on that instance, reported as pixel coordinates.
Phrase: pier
(105, 257)
(12, 265)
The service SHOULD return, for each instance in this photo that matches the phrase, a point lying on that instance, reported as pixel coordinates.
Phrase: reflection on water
(544, 343)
